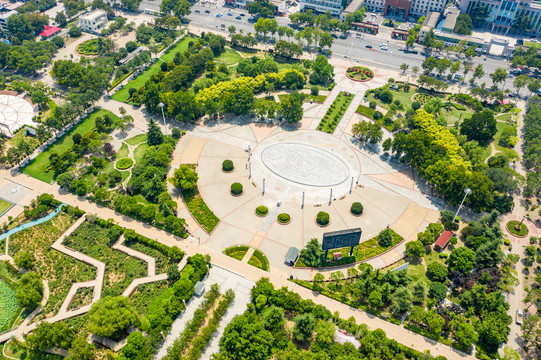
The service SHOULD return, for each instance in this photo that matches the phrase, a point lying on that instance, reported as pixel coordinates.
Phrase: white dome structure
(15, 113)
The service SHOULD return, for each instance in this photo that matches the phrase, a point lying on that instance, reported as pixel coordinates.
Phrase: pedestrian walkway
(31, 223)
(350, 112)
(323, 109)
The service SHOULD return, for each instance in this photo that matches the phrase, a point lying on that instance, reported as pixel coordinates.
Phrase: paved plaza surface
(277, 163)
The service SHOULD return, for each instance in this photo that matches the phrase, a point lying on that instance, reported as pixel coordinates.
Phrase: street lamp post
(163, 117)
(467, 191)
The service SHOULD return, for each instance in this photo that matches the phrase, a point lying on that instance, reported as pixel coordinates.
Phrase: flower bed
(259, 260)
(359, 73)
(335, 112)
(262, 210)
(283, 218)
(8, 305)
(236, 252)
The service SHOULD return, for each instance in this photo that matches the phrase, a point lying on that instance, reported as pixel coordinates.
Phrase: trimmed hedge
(259, 260)
(357, 208)
(323, 218)
(236, 189)
(262, 210)
(173, 252)
(283, 218)
(523, 228)
(228, 166)
(236, 252)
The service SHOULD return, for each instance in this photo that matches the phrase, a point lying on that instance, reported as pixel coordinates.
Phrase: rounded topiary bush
(175, 133)
(228, 166)
(357, 208)
(124, 163)
(236, 189)
(323, 218)
(262, 210)
(283, 218)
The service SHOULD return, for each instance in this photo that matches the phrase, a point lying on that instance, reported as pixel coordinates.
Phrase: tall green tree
(154, 134)
(304, 327)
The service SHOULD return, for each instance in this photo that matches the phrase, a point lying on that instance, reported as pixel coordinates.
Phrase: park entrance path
(323, 109)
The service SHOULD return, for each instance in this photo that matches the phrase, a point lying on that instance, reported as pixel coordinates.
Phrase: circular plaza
(317, 164)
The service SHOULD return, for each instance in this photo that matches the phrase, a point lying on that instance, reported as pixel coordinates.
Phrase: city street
(351, 47)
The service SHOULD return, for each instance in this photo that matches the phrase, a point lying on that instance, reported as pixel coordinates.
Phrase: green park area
(181, 46)
(4, 205)
(333, 116)
(39, 167)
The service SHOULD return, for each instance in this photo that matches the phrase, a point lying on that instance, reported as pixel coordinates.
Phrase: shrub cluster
(262, 210)
(357, 208)
(283, 218)
(228, 166)
(236, 188)
(322, 218)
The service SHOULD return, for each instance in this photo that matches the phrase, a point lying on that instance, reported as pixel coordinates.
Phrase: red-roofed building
(443, 240)
(49, 32)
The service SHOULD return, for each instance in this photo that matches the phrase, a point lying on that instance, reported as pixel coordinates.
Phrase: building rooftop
(50, 30)
(431, 19)
(292, 254)
(353, 6)
(444, 238)
(450, 20)
(94, 14)
(5, 15)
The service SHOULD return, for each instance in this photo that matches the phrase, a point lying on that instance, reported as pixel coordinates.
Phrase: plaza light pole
(467, 191)
(163, 117)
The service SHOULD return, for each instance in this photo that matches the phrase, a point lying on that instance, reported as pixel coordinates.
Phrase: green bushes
(517, 228)
(283, 218)
(192, 327)
(124, 163)
(259, 260)
(334, 114)
(366, 111)
(323, 218)
(261, 210)
(236, 189)
(357, 208)
(175, 133)
(173, 252)
(385, 238)
(227, 166)
(237, 252)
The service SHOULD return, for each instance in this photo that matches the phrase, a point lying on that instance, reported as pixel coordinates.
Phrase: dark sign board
(341, 239)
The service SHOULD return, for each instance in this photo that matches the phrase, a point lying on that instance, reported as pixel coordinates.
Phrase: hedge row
(173, 252)
(201, 341)
(192, 327)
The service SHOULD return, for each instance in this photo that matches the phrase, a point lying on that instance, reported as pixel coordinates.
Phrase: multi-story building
(93, 21)
(322, 6)
(4, 16)
(404, 8)
(502, 13)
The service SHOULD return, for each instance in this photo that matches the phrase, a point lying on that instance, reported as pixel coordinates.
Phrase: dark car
(207, 11)
(197, 11)
(411, 51)
(368, 46)
(242, 14)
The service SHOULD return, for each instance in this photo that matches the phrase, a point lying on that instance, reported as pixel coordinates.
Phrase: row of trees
(532, 146)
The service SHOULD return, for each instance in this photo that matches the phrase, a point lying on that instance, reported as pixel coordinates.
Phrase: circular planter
(352, 71)
(237, 186)
(261, 215)
(227, 166)
(323, 213)
(124, 163)
(283, 223)
(352, 213)
(322, 226)
(511, 229)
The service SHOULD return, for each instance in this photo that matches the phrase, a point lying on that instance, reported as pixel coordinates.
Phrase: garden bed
(359, 73)
(333, 116)
(259, 260)
(89, 47)
(237, 252)
(8, 306)
(512, 228)
(199, 209)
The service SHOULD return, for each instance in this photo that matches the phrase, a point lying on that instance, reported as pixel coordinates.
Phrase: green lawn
(137, 139)
(123, 151)
(37, 168)
(504, 117)
(500, 126)
(139, 152)
(452, 115)
(4, 205)
(123, 94)
(532, 44)
(259, 260)
(228, 58)
(334, 114)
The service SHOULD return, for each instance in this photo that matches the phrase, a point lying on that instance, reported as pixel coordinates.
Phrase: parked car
(219, 15)
(456, 77)
(207, 11)
(229, 14)
(368, 46)
(242, 14)
(197, 11)
(519, 317)
(238, 17)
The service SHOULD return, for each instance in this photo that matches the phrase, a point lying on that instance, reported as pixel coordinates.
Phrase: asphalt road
(351, 47)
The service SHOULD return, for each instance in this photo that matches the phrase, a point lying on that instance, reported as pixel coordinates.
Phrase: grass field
(123, 94)
(228, 58)
(37, 168)
(137, 139)
(4, 205)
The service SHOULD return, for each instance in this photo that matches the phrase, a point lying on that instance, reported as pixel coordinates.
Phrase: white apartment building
(93, 21)
(4, 19)
(322, 6)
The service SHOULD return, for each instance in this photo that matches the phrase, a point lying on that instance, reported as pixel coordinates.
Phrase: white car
(520, 316)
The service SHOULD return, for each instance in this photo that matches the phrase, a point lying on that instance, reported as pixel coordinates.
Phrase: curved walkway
(32, 223)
